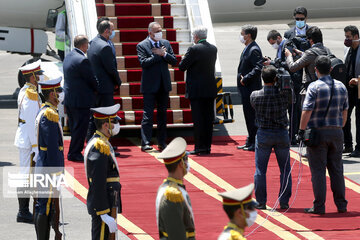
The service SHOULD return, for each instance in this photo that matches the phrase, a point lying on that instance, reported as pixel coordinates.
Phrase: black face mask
(348, 42)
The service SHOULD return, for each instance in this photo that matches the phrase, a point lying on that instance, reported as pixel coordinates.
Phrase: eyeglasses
(299, 19)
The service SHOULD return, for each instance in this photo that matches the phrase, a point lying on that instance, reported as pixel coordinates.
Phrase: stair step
(172, 117)
(134, 75)
(138, 1)
(143, 22)
(137, 35)
(140, 9)
(133, 62)
(137, 103)
(133, 89)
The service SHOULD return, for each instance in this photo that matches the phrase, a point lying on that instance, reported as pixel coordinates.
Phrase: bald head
(81, 42)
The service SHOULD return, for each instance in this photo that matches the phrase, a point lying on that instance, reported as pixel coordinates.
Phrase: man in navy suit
(80, 87)
(199, 63)
(249, 80)
(101, 58)
(154, 55)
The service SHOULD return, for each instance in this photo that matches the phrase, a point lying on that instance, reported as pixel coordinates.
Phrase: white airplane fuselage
(246, 11)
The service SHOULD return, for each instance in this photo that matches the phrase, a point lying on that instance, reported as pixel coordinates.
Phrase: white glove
(110, 222)
(36, 151)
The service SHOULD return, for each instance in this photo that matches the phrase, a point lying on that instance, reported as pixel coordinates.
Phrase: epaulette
(173, 194)
(235, 235)
(31, 94)
(51, 115)
(102, 146)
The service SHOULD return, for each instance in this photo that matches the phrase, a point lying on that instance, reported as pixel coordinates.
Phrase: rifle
(55, 223)
(32, 165)
(114, 210)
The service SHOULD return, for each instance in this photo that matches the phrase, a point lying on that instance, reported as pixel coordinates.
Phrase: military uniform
(238, 199)
(232, 232)
(51, 154)
(103, 177)
(174, 214)
(28, 107)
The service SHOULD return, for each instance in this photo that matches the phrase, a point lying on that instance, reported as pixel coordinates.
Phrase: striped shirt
(270, 107)
(317, 99)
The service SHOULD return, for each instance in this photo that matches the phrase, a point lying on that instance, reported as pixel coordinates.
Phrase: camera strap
(331, 95)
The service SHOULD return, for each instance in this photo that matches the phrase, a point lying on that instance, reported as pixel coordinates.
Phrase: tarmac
(77, 220)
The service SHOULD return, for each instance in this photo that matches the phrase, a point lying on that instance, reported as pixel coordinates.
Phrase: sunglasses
(299, 19)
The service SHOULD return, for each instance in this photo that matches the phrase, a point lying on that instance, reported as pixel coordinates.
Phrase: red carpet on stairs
(131, 20)
(141, 174)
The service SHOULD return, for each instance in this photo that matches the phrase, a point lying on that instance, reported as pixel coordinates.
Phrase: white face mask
(242, 39)
(275, 46)
(61, 97)
(158, 36)
(41, 77)
(115, 131)
(251, 219)
(188, 167)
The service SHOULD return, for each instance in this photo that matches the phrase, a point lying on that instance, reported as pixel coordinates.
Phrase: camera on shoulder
(284, 82)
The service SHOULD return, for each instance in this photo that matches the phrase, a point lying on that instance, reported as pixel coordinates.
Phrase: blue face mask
(300, 24)
(112, 35)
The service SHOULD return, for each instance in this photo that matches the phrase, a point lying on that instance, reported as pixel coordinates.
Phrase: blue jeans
(266, 140)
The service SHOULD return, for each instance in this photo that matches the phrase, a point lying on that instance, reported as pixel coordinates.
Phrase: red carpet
(141, 174)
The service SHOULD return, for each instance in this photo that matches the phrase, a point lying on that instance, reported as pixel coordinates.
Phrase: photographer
(325, 112)
(277, 42)
(270, 106)
(307, 59)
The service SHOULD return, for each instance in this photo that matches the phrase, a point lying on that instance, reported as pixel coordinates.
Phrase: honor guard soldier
(28, 105)
(51, 152)
(241, 210)
(174, 215)
(103, 200)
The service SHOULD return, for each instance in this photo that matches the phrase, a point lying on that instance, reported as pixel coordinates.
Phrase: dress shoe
(161, 147)
(347, 150)
(243, 146)
(313, 211)
(250, 148)
(199, 152)
(146, 148)
(194, 152)
(355, 153)
(261, 206)
(117, 154)
(284, 206)
(76, 159)
(343, 210)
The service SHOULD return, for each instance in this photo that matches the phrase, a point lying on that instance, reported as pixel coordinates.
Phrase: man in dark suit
(102, 61)
(300, 28)
(80, 87)
(249, 80)
(154, 55)
(199, 61)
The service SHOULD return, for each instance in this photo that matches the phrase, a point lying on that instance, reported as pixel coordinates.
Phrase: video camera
(284, 82)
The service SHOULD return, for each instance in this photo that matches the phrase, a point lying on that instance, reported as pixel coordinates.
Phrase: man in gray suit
(352, 63)
(154, 55)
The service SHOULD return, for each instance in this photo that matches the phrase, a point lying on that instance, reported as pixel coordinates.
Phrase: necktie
(157, 44)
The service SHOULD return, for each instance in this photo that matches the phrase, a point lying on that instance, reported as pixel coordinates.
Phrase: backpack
(338, 71)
